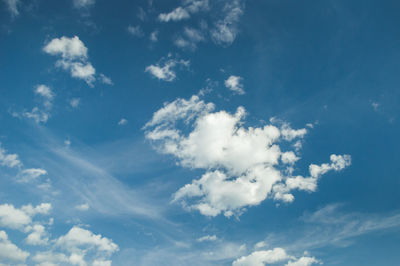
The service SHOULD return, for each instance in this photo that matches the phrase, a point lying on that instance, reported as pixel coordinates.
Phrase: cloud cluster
(74, 58)
(243, 166)
(274, 256)
(76, 247)
(164, 70)
(12, 6)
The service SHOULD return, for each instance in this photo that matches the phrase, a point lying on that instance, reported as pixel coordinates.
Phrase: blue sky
(199, 132)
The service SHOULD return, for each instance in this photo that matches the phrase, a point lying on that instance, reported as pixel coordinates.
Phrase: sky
(199, 132)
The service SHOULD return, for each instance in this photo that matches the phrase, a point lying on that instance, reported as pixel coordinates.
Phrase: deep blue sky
(330, 67)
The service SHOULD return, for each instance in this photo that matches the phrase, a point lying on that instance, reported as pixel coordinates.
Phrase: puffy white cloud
(225, 30)
(38, 236)
(9, 252)
(44, 91)
(304, 261)
(260, 258)
(28, 175)
(74, 57)
(78, 237)
(234, 83)
(9, 160)
(83, 3)
(12, 6)
(102, 263)
(12, 217)
(177, 14)
(207, 238)
(166, 72)
(273, 256)
(243, 166)
(69, 48)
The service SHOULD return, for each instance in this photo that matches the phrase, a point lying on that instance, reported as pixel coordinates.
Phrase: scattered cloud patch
(234, 83)
(122, 122)
(106, 80)
(12, 6)
(9, 160)
(83, 3)
(74, 102)
(28, 175)
(135, 31)
(190, 38)
(207, 238)
(154, 36)
(177, 14)
(9, 252)
(74, 58)
(83, 207)
(225, 30)
(165, 70)
(274, 256)
(243, 166)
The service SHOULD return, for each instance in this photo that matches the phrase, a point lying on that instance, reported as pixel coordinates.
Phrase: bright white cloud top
(234, 83)
(244, 166)
(164, 70)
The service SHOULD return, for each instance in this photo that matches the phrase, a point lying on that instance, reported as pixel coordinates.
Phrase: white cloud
(44, 91)
(106, 80)
(74, 57)
(135, 30)
(28, 175)
(78, 237)
(207, 238)
(13, 218)
(83, 3)
(38, 236)
(177, 14)
(74, 102)
(9, 160)
(243, 165)
(166, 72)
(234, 83)
(273, 256)
(102, 263)
(225, 30)
(122, 122)
(68, 48)
(12, 6)
(82, 207)
(9, 251)
(154, 36)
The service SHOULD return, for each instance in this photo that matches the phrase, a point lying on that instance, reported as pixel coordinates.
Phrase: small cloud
(122, 122)
(154, 36)
(166, 71)
(74, 102)
(177, 14)
(106, 80)
(375, 106)
(135, 31)
(234, 83)
(28, 175)
(207, 238)
(83, 3)
(82, 207)
(67, 142)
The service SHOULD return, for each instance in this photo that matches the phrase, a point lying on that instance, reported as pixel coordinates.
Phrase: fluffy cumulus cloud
(276, 256)
(243, 166)
(9, 252)
(74, 58)
(234, 83)
(164, 70)
(14, 218)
